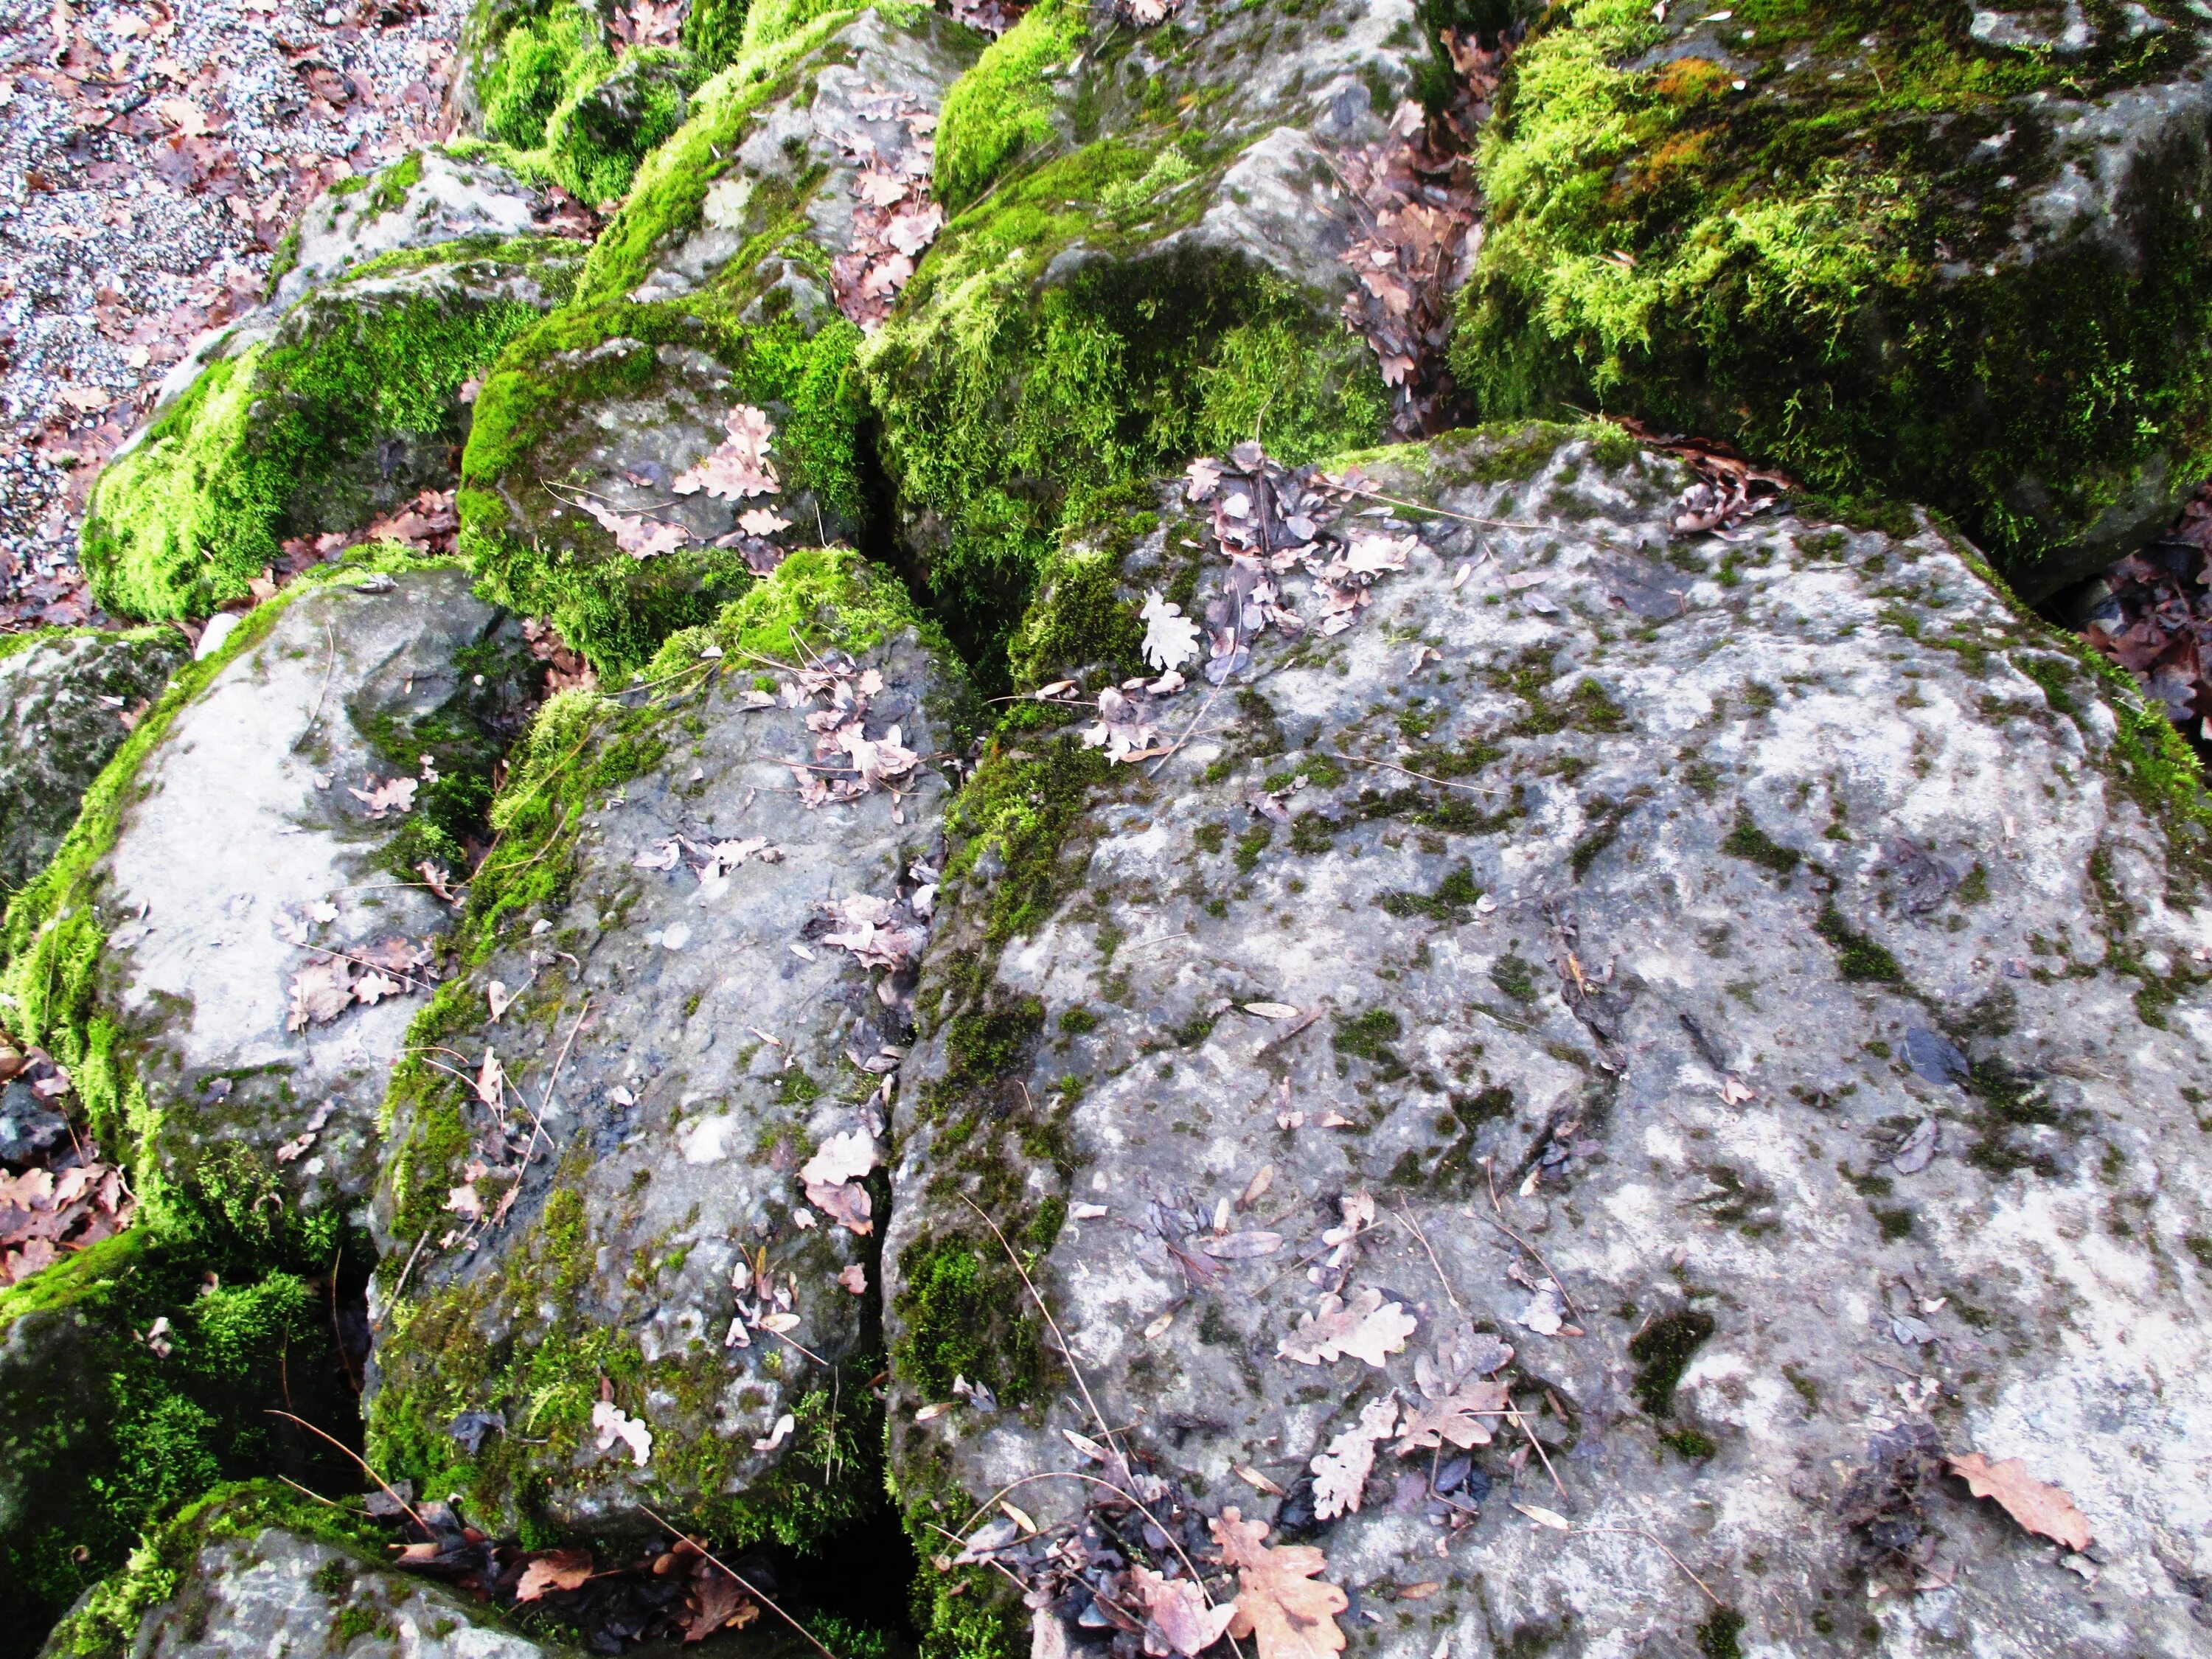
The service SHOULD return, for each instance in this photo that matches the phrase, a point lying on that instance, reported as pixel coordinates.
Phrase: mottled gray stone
(64, 703)
(243, 818)
(450, 200)
(1718, 794)
(281, 1593)
(680, 1051)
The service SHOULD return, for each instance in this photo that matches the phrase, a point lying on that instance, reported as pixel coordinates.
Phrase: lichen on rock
(1709, 916)
(635, 1209)
(1952, 252)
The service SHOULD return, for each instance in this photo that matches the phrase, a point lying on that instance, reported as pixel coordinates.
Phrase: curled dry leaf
(2039, 1506)
(393, 795)
(844, 1156)
(1175, 1608)
(613, 1424)
(1170, 637)
(553, 1569)
(739, 466)
(1281, 1602)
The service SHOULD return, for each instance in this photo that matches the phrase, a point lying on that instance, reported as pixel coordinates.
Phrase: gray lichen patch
(1692, 910)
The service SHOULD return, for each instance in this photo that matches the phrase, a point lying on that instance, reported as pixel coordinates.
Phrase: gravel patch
(151, 158)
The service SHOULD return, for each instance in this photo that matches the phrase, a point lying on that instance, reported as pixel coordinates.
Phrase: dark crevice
(978, 634)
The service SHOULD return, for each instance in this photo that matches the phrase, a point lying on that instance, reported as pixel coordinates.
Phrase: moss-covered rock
(1647, 982)
(426, 198)
(1952, 253)
(254, 1569)
(252, 850)
(114, 1421)
(1145, 265)
(675, 1054)
(712, 288)
(318, 418)
(68, 699)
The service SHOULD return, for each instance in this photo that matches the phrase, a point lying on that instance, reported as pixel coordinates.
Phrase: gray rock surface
(281, 1592)
(64, 702)
(682, 1042)
(1755, 983)
(446, 200)
(248, 823)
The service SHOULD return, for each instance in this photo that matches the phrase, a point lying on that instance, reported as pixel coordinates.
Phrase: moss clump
(961, 1308)
(351, 406)
(1858, 958)
(105, 1437)
(1817, 214)
(1455, 896)
(1002, 107)
(1717, 1636)
(1015, 404)
(713, 30)
(1515, 975)
(1662, 1352)
(1746, 840)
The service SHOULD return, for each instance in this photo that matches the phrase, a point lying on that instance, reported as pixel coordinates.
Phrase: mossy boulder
(254, 1569)
(1144, 266)
(114, 1421)
(681, 1043)
(227, 948)
(1757, 984)
(321, 417)
(68, 699)
(427, 197)
(710, 290)
(1951, 252)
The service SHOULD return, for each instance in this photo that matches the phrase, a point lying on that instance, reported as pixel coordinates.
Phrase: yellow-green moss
(1002, 107)
(1809, 249)
(278, 440)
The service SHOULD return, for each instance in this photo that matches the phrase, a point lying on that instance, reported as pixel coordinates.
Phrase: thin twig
(1438, 512)
(1188, 730)
(743, 1583)
(1561, 1284)
(1097, 1416)
(1122, 1493)
(356, 1457)
(421, 1239)
(1520, 1421)
(1442, 783)
(330, 669)
(373, 967)
(1652, 1538)
(1404, 1211)
(330, 1502)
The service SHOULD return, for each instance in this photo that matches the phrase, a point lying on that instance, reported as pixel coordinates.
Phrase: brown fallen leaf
(2039, 1507)
(320, 992)
(1340, 1472)
(553, 1569)
(717, 1602)
(1280, 1600)
(1177, 1611)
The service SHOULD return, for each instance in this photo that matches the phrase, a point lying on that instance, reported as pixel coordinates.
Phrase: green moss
(1662, 1352)
(1455, 896)
(281, 439)
(1820, 264)
(1747, 840)
(1857, 957)
(104, 1437)
(1717, 1636)
(1012, 405)
(1515, 975)
(960, 1306)
(1691, 1444)
(1002, 107)
(540, 63)
(771, 23)
(713, 30)
(609, 123)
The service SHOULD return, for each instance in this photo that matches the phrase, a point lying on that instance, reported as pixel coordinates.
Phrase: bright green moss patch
(1002, 107)
(1820, 264)
(296, 435)
(1013, 405)
(103, 1437)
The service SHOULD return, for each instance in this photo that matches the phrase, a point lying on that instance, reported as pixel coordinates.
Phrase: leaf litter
(56, 1194)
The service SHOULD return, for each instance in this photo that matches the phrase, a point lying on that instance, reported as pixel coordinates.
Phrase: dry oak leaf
(555, 1570)
(614, 1424)
(1280, 1601)
(843, 1156)
(393, 795)
(320, 992)
(2039, 1507)
(1366, 1327)
(1340, 1472)
(1170, 637)
(1182, 1622)
(718, 1603)
(739, 465)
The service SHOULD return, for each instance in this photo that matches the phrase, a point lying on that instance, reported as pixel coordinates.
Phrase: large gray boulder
(68, 699)
(628, 1217)
(228, 955)
(1606, 1068)
(256, 1572)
